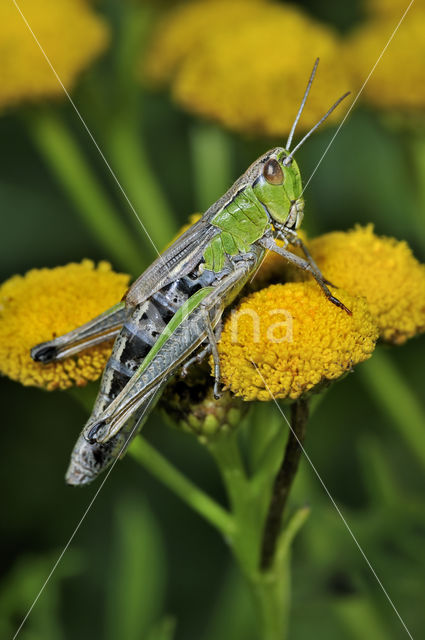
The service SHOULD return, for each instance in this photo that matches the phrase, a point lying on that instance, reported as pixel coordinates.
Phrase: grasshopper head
(278, 186)
(279, 189)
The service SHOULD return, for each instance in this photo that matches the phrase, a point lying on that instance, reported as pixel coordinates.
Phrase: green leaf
(164, 630)
(20, 589)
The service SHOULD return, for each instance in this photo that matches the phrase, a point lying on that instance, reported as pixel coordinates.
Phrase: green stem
(226, 452)
(271, 588)
(212, 157)
(153, 218)
(388, 387)
(283, 482)
(64, 158)
(152, 215)
(164, 471)
(417, 152)
(245, 506)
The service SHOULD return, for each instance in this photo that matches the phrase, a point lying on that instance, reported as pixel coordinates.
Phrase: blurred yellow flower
(245, 65)
(386, 7)
(397, 82)
(381, 269)
(288, 340)
(46, 303)
(68, 31)
(184, 29)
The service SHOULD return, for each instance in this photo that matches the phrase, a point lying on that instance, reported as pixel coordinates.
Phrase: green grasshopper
(171, 313)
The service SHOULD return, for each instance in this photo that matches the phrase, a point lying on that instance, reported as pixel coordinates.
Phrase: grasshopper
(170, 316)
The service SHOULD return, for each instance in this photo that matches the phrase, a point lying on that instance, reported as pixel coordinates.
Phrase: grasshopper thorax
(279, 189)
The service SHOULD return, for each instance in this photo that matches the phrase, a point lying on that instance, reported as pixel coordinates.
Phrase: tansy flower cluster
(382, 270)
(303, 342)
(245, 77)
(46, 303)
(70, 33)
(288, 339)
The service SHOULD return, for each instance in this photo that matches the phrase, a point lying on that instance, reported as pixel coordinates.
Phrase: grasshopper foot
(339, 304)
(217, 392)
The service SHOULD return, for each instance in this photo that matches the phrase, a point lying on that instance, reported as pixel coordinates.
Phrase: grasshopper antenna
(288, 158)
(304, 100)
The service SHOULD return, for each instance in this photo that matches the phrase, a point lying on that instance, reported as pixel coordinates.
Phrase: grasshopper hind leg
(44, 353)
(101, 329)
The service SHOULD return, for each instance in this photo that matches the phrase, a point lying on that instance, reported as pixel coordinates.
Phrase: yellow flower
(381, 269)
(246, 65)
(68, 31)
(49, 302)
(397, 82)
(288, 339)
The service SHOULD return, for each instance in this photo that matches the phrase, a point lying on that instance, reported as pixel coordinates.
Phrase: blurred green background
(142, 562)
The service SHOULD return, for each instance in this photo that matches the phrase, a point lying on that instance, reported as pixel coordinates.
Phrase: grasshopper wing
(176, 261)
(186, 252)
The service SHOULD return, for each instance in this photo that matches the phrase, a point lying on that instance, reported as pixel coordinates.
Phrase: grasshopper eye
(273, 172)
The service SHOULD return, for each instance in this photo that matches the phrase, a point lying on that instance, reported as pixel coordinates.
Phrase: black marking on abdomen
(141, 330)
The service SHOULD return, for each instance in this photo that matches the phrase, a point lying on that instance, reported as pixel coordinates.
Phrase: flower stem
(416, 144)
(64, 158)
(164, 471)
(388, 387)
(283, 482)
(271, 587)
(211, 152)
(245, 506)
(272, 590)
(154, 219)
(228, 458)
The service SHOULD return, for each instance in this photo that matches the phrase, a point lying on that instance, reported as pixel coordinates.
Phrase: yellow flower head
(397, 82)
(68, 31)
(288, 339)
(384, 271)
(247, 64)
(46, 303)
